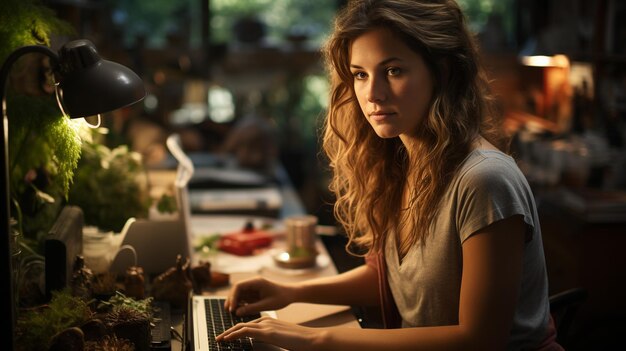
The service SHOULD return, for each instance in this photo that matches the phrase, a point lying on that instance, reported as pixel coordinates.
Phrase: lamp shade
(90, 85)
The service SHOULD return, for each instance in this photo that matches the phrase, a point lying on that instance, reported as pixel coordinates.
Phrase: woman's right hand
(258, 294)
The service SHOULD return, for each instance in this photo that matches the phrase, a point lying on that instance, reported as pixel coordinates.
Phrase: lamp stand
(7, 296)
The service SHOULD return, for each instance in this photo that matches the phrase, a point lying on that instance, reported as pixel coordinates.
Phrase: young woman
(455, 255)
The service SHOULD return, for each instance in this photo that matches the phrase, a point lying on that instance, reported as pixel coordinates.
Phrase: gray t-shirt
(426, 285)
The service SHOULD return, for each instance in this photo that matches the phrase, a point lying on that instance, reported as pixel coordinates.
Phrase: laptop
(206, 318)
(156, 243)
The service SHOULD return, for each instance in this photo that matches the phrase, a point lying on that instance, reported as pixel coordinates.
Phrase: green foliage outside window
(156, 19)
(282, 17)
(152, 19)
(479, 11)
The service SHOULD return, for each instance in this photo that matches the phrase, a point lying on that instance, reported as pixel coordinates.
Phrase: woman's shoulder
(488, 167)
(479, 158)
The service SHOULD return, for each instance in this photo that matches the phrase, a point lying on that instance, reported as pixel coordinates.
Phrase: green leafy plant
(110, 185)
(119, 300)
(167, 204)
(208, 242)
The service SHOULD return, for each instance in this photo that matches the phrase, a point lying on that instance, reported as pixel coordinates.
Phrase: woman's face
(392, 83)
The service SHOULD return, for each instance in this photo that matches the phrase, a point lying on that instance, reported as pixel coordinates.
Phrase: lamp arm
(14, 56)
(7, 306)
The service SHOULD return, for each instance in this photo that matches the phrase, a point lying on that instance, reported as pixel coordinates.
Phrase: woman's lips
(380, 116)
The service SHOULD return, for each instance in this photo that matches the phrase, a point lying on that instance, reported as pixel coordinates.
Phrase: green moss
(35, 328)
(41, 137)
(27, 22)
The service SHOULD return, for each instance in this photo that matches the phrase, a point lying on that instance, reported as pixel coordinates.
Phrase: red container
(245, 242)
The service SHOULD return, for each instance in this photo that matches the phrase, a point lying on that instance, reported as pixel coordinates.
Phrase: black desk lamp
(89, 86)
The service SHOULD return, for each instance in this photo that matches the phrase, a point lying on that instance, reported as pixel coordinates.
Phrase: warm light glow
(284, 256)
(221, 104)
(546, 61)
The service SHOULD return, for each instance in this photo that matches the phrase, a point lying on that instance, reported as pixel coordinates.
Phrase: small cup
(301, 233)
(301, 237)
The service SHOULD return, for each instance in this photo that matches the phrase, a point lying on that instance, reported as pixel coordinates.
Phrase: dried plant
(105, 284)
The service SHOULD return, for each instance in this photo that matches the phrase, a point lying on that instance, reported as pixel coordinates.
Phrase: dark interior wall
(558, 26)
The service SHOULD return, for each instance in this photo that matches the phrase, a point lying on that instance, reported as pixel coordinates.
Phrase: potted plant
(110, 184)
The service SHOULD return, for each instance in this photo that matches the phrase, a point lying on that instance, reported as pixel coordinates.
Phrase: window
(281, 18)
(493, 21)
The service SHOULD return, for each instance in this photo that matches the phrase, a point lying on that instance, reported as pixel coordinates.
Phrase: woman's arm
(492, 269)
(492, 265)
(357, 287)
(258, 294)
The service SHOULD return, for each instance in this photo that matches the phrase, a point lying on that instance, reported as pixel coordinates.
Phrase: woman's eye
(393, 71)
(359, 75)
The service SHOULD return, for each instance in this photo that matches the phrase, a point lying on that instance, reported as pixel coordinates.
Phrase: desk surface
(241, 268)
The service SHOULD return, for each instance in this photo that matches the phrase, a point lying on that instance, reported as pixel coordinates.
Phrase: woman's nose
(377, 90)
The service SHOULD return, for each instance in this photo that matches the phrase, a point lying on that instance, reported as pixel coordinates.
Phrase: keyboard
(219, 320)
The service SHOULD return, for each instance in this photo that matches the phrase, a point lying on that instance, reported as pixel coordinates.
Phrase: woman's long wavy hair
(370, 173)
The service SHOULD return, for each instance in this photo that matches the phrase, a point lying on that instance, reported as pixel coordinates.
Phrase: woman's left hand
(276, 332)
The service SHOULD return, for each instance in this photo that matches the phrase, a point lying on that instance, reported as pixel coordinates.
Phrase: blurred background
(244, 78)
(557, 66)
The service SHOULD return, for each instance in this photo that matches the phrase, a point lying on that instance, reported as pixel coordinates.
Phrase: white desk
(241, 268)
